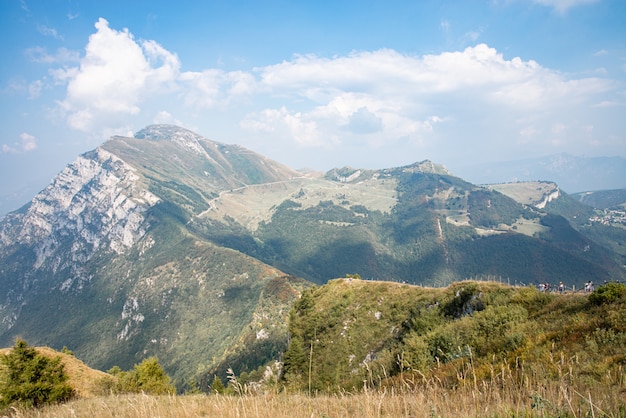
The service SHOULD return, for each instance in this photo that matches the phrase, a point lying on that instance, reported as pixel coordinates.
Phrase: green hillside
(603, 199)
(188, 302)
(351, 334)
(439, 230)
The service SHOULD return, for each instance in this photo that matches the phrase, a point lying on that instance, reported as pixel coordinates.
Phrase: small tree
(295, 362)
(193, 388)
(217, 386)
(31, 379)
(151, 378)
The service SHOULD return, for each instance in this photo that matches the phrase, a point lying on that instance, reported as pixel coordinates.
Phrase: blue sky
(316, 84)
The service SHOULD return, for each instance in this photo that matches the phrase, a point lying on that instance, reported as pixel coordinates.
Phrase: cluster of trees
(31, 379)
(147, 377)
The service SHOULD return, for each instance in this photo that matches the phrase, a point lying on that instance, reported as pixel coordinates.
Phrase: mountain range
(574, 174)
(170, 244)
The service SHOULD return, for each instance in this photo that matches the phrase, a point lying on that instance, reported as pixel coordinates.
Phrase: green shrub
(31, 379)
(608, 293)
(416, 353)
(147, 377)
(495, 329)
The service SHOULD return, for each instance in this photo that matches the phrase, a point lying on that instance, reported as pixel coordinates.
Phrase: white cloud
(472, 36)
(63, 75)
(388, 96)
(164, 117)
(363, 121)
(114, 76)
(387, 72)
(562, 6)
(41, 55)
(215, 87)
(371, 98)
(280, 122)
(26, 143)
(48, 31)
(34, 89)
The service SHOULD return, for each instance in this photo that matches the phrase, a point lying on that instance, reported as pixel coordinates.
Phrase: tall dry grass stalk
(508, 393)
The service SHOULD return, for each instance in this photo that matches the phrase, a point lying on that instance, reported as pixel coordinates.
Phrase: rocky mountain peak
(96, 202)
(181, 136)
(427, 166)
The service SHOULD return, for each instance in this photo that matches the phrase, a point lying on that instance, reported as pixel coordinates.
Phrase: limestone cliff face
(97, 202)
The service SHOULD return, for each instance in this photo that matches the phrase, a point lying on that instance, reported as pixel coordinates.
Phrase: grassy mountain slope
(350, 333)
(603, 199)
(102, 261)
(423, 227)
(182, 299)
(188, 170)
(597, 219)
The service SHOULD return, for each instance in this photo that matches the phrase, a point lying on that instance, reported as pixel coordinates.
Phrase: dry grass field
(426, 403)
(508, 394)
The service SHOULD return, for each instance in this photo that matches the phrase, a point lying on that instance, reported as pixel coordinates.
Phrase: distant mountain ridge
(173, 245)
(572, 173)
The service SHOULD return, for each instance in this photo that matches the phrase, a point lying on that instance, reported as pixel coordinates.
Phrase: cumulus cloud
(114, 76)
(384, 96)
(215, 87)
(362, 121)
(302, 128)
(164, 117)
(26, 143)
(370, 98)
(387, 72)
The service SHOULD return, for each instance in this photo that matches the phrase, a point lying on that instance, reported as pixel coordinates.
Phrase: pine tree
(295, 363)
(31, 379)
(217, 386)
